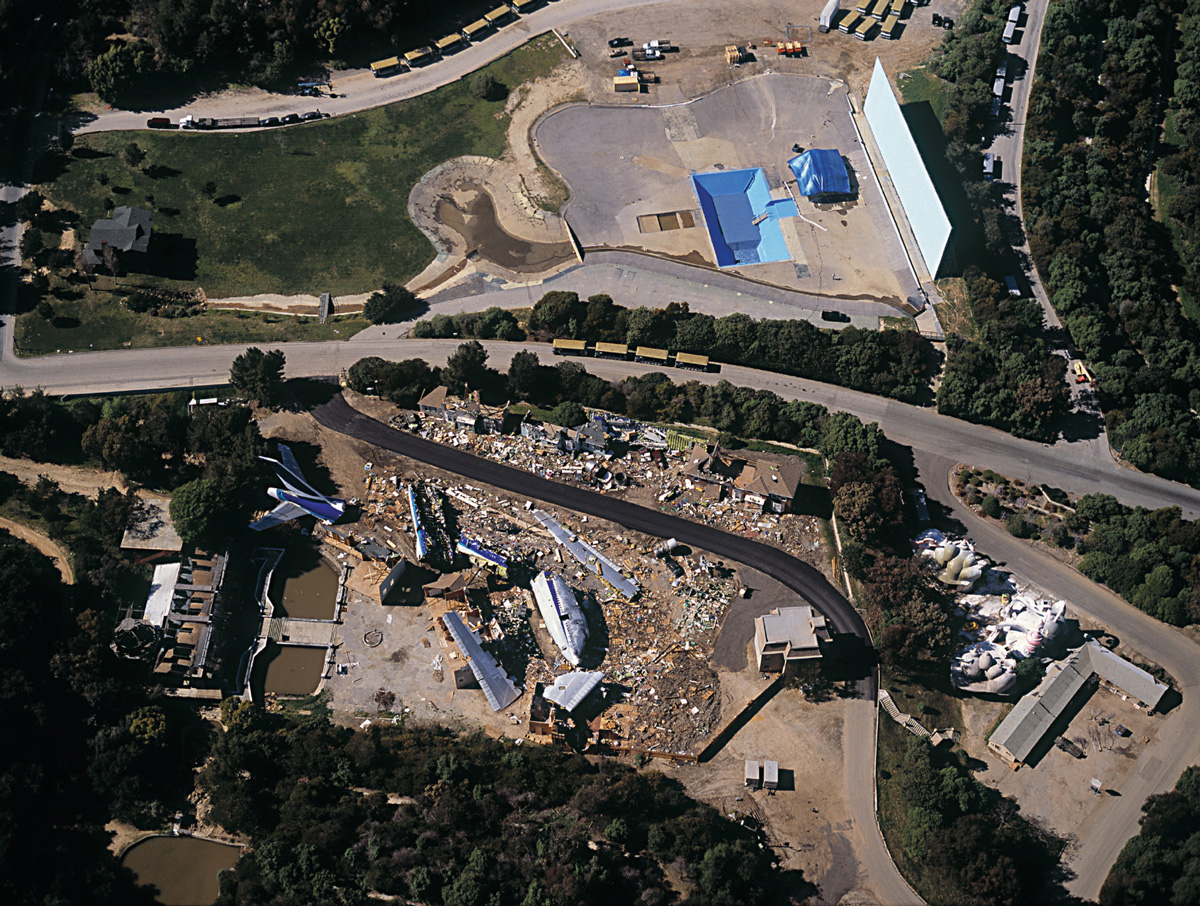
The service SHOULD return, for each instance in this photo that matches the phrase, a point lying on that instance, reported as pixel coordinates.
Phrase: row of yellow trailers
(861, 22)
(476, 31)
(648, 354)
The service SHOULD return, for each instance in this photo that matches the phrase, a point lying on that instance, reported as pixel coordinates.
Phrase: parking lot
(626, 163)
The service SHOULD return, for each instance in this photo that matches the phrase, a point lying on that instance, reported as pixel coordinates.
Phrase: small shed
(752, 775)
(771, 775)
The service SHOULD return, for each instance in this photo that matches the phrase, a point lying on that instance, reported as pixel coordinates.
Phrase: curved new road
(877, 870)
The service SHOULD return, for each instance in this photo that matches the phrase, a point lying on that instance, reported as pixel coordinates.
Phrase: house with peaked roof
(128, 230)
(468, 415)
(770, 484)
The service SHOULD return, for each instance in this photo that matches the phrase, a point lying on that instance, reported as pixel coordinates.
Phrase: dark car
(290, 118)
(269, 121)
(840, 317)
(311, 115)
(619, 42)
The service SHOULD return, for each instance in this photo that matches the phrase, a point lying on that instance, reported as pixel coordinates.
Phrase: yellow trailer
(418, 56)
(476, 29)
(499, 14)
(449, 42)
(390, 66)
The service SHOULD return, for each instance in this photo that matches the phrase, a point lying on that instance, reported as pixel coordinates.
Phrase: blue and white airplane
(298, 496)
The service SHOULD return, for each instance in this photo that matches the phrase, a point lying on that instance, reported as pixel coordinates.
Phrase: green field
(920, 84)
(82, 324)
(303, 209)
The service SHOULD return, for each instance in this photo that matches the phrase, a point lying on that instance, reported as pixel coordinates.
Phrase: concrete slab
(622, 163)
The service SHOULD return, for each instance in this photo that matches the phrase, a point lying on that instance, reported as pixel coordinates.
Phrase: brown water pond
(304, 586)
(287, 670)
(184, 869)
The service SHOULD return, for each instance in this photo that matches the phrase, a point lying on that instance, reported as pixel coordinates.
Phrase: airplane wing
(285, 512)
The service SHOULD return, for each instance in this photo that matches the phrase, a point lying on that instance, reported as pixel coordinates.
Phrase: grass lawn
(303, 209)
(920, 84)
(82, 324)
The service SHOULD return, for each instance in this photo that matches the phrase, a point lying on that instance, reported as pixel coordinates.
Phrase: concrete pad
(622, 163)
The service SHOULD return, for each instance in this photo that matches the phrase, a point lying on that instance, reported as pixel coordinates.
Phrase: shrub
(991, 507)
(1017, 526)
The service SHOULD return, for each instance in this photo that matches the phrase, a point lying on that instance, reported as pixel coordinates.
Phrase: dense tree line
(1161, 865)
(965, 844)
(966, 59)
(1181, 162)
(490, 324)
(739, 411)
(1109, 267)
(894, 363)
(480, 822)
(1149, 557)
(83, 743)
(263, 43)
(1005, 376)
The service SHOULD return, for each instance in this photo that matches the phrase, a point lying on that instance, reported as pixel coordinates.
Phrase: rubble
(654, 618)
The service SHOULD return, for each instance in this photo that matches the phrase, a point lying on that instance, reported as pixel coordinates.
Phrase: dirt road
(43, 544)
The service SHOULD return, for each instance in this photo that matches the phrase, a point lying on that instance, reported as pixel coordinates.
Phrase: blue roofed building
(820, 171)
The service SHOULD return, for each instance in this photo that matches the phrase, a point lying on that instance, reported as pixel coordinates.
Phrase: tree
(391, 304)
(485, 87)
(209, 189)
(45, 310)
(991, 507)
(258, 375)
(134, 155)
(527, 377)
(466, 369)
(29, 205)
(569, 414)
(32, 244)
(119, 70)
(198, 510)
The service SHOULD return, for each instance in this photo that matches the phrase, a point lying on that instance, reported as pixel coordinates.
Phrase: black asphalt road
(797, 575)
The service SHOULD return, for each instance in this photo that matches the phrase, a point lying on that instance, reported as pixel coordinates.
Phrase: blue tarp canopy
(820, 172)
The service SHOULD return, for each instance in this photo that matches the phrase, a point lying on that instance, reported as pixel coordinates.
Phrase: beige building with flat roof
(788, 635)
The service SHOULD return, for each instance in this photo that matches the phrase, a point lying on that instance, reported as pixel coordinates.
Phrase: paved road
(359, 90)
(1080, 467)
(1009, 143)
(1116, 819)
(876, 869)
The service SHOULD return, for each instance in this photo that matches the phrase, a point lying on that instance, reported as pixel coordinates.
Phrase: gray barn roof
(1032, 716)
(128, 230)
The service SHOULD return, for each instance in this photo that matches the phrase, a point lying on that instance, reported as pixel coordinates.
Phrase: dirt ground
(44, 544)
(807, 820)
(1054, 791)
(72, 479)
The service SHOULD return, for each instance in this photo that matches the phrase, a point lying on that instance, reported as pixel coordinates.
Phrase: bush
(391, 304)
(991, 507)
(1017, 526)
(1062, 537)
(569, 414)
(485, 87)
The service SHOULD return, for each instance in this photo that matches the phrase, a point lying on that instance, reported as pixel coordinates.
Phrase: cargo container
(627, 83)
(890, 25)
(828, 15)
(449, 42)
(498, 15)
(850, 22)
(865, 27)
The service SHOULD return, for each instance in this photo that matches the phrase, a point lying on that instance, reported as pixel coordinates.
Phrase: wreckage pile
(653, 647)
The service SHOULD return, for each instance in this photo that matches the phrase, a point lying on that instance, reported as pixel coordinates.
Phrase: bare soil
(471, 213)
(43, 544)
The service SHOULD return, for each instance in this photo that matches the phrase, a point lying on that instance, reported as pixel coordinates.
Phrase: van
(159, 122)
(1011, 282)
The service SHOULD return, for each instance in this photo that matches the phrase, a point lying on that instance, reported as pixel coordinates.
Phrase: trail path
(43, 544)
